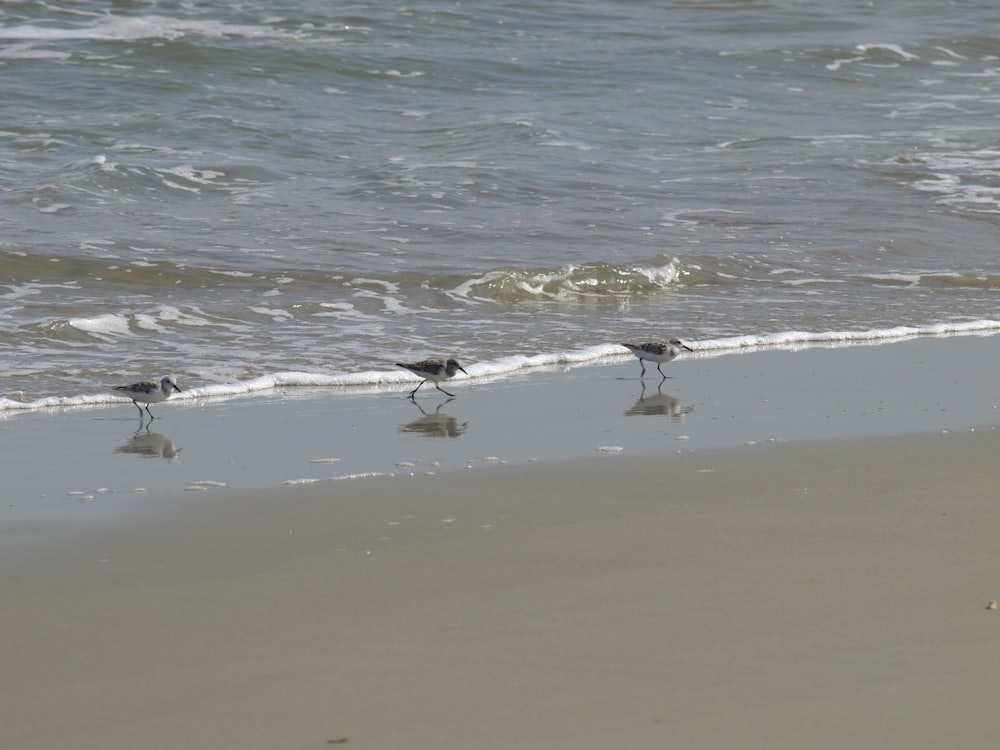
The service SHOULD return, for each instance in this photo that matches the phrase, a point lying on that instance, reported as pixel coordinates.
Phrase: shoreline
(373, 382)
(96, 462)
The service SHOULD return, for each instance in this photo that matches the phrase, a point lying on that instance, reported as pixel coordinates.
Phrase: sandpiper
(148, 392)
(433, 369)
(657, 351)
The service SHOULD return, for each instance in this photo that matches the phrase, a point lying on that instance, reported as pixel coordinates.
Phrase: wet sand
(821, 593)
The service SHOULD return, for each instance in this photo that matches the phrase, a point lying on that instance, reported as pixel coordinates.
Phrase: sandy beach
(765, 575)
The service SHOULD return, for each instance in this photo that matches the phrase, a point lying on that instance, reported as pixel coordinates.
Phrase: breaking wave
(372, 381)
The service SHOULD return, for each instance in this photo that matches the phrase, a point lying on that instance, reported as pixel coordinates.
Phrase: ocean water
(278, 193)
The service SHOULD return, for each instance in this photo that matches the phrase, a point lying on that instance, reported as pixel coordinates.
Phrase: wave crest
(569, 283)
(372, 381)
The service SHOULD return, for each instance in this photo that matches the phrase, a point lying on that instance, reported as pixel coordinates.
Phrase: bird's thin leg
(660, 371)
(444, 391)
(414, 391)
(151, 417)
(643, 365)
(138, 407)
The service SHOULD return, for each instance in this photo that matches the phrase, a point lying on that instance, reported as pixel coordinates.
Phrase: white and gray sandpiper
(434, 370)
(148, 392)
(657, 351)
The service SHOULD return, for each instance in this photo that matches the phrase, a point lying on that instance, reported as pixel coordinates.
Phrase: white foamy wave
(111, 325)
(17, 291)
(802, 339)
(26, 51)
(895, 49)
(111, 28)
(375, 381)
(102, 325)
(56, 402)
(567, 283)
(875, 55)
(964, 178)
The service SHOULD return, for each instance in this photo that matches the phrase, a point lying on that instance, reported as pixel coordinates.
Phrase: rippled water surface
(232, 192)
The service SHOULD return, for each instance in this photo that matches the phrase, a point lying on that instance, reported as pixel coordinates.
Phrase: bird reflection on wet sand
(658, 404)
(149, 445)
(435, 424)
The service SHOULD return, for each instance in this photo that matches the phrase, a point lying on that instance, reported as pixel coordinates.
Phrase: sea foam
(374, 381)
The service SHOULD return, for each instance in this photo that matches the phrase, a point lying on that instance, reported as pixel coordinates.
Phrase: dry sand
(820, 595)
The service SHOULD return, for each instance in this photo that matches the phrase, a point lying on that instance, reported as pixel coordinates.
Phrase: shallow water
(90, 463)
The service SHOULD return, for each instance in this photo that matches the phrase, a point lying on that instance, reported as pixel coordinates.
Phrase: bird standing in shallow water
(433, 369)
(657, 351)
(148, 392)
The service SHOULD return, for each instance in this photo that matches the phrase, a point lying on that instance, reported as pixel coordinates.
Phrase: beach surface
(797, 550)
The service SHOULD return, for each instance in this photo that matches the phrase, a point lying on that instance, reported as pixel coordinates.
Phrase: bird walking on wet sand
(433, 369)
(657, 351)
(148, 392)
